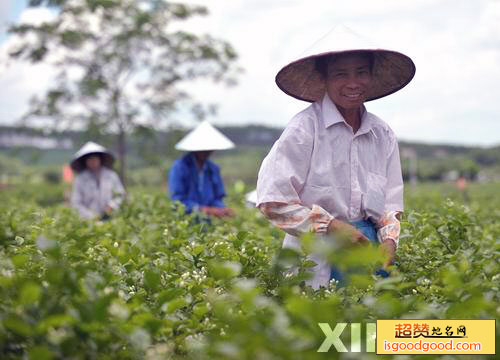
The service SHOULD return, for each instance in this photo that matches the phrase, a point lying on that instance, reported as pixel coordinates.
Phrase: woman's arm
(118, 192)
(296, 219)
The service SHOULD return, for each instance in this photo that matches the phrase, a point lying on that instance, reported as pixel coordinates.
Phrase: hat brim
(204, 148)
(78, 164)
(391, 72)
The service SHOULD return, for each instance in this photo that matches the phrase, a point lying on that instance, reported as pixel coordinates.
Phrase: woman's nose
(353, 84)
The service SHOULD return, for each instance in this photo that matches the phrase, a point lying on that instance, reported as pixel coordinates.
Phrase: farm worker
(461, 184)
(97, 189)
(68, 175)
(336, 166)
(196, 181)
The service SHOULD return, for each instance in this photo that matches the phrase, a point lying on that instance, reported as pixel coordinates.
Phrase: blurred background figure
(196, 181)
(67, 178)
(68, 175)
(97, 189)
(461, 184)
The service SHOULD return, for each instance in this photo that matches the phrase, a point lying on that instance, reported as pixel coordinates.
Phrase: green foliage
(153, 283)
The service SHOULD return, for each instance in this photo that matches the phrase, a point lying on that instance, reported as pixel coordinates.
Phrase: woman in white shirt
(97, 189)
(336, 167)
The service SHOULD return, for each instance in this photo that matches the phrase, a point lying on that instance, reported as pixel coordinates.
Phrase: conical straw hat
(204, 138)
(391, 70)
(91, 148)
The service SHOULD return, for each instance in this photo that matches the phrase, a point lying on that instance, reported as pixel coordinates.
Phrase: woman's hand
(349, 231)
(389, 250)
(217, 212)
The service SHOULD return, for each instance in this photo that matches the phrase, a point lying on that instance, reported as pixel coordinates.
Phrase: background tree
(120, 63)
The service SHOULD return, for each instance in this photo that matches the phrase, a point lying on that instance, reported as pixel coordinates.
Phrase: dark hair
(321, 63)
(85, 157)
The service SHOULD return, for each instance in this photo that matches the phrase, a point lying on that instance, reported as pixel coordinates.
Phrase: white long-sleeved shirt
(319, 161)
(92, 194)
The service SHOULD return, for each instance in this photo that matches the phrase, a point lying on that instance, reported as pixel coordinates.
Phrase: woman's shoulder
(82, 175)
(380, 127)
(182, 162)
(304, 120)
(213, 166)
(384, 135)
(110, 173)
(302, 125)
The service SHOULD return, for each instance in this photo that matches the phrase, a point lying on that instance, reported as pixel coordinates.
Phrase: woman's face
(93, 162)
(349, 80)
(202, 156)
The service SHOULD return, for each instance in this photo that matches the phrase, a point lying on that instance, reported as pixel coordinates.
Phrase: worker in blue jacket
(196, 181)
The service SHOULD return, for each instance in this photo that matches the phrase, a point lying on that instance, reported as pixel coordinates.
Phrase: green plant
(154, 283)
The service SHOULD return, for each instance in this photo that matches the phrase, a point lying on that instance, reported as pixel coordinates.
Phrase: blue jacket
(195, 189)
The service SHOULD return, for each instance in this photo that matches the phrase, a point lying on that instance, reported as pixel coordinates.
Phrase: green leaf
(468, 309)
(40, 353)
(186, 254)
(17, 325)
(152, 280)
(242, 235)
(55, 321)
(19, 260)
(30, 293)
(200, 309)
(309, 264)
(169, 294)
(174, 305)
(225, 270)
(198, 249)
(288, 258)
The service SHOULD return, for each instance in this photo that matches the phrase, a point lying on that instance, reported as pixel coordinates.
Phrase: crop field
(152, 283)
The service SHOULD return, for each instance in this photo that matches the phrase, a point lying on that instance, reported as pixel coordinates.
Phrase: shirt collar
(331, 116)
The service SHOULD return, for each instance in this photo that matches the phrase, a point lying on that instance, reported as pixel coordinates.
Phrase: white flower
(108, 290)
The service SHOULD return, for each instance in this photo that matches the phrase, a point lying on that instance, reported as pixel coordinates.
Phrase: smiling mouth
(353, 96)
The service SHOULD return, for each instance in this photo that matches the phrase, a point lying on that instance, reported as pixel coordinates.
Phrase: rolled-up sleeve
(389, 227)
(296, 219)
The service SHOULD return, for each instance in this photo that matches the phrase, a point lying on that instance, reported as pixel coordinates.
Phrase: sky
(455, 44)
